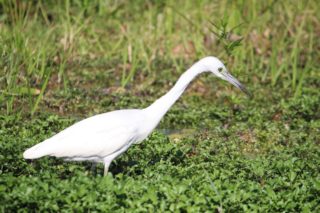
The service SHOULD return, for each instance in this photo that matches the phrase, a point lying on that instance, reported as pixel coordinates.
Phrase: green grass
(66, 60)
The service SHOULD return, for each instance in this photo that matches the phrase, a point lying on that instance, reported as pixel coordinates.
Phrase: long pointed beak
(236, 83)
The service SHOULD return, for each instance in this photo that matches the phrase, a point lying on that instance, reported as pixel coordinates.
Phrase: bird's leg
(106, 167)
(93, 167)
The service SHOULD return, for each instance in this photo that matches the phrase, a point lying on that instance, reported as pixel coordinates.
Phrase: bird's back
(94, 137)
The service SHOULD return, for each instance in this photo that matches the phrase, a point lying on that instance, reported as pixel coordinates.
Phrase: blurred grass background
(51, 47)
(216, 150)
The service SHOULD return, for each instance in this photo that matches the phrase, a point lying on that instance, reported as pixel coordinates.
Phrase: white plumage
(103, 137)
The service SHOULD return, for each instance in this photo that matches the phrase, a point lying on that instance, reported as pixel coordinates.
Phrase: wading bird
(103, 137)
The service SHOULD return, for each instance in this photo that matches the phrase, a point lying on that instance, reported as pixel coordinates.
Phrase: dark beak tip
(244, 89)
(236, 83)
(249, 94)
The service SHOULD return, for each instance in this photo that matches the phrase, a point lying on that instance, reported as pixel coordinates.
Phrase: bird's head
(215, 66)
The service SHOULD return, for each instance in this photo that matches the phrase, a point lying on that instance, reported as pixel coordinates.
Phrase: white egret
(103, 137)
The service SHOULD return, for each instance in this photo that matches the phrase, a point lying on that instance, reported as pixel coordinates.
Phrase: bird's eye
(220, 69)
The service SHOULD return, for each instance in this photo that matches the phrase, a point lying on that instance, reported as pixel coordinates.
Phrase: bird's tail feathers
(36, 151)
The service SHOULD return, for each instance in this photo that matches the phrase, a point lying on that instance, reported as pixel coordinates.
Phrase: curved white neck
(159, 108)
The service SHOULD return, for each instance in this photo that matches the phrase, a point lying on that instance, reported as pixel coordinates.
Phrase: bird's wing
(95, 144)
(97, 136)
